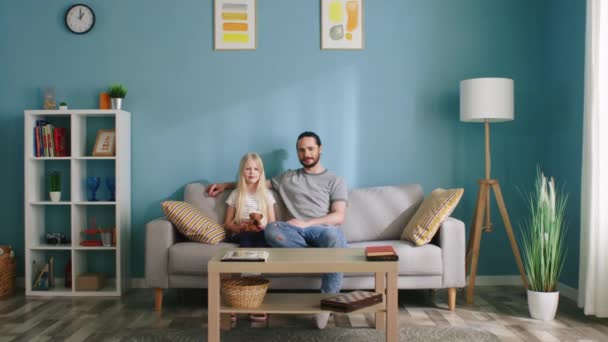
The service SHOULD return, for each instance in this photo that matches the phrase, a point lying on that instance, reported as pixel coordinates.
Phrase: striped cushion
(192, 223)
(429, 216)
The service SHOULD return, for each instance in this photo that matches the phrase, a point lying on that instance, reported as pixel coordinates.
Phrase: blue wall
(564, 53)
(387, 114)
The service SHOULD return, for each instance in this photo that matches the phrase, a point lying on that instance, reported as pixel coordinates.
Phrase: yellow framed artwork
(105, 143)
(235, 25)
(341, 24)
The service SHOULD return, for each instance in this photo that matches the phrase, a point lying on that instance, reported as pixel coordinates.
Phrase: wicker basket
(8, 267)
(246, 292)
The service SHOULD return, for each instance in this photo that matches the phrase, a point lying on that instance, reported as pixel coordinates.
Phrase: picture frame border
(255, 29)
(100, 133)
(341, 49)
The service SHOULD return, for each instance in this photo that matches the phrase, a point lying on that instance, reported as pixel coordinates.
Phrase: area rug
(406, 333)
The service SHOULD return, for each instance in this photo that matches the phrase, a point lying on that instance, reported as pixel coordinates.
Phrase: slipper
(258, 317)
(233, 317)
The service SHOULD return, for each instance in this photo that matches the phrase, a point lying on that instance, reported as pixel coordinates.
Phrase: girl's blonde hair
(241, 187)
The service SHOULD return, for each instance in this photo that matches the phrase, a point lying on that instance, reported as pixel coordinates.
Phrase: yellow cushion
(192, 223)
(429, 216)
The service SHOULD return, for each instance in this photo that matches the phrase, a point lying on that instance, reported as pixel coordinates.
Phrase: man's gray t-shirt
(309, 195)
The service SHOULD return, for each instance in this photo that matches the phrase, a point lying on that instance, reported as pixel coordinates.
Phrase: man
(316, 198)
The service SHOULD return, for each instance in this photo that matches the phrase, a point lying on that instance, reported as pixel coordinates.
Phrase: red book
(379, 250)
(60, 145)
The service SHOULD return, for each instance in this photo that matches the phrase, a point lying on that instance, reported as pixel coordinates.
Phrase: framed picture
(341, 24)
(105, 143)
(235, 25)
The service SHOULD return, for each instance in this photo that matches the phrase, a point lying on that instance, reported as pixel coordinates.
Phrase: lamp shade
(486, 99)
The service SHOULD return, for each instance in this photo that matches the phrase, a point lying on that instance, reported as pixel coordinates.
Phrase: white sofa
(375, 216)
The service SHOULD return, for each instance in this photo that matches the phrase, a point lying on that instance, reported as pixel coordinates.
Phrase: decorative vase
(116, 103)
(55, 196)
(104, 101)
(543, 305)
(92, 186)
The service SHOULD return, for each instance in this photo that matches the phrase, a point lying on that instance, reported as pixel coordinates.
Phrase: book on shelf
(44, 274)
(381, 253)
(245, 255)
(49, 141)
(348, 302)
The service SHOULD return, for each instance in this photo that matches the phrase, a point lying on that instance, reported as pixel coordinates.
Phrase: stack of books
(49, 141)
(380, 253)
(348, 302)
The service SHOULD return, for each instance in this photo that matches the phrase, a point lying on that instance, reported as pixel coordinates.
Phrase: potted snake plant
(55, 186)
(543, 235)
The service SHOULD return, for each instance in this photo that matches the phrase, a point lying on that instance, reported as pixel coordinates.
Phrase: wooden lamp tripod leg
(509, 229)
(475, 238)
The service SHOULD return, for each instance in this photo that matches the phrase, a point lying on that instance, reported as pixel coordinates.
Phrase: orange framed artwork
(235, 25)
(341, 24)
(105, 143)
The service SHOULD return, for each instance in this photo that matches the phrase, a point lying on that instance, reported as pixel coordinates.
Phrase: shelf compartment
(36, 262)
(83, 168)
(91, 217)
(85, 129)
(47, 219)
(59, 120)
(39, 171)
(97, 261)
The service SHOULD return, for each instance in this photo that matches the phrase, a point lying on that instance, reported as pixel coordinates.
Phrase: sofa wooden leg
(158, 299)
(452, 298)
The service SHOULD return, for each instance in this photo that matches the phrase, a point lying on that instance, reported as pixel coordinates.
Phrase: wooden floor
(500, 310)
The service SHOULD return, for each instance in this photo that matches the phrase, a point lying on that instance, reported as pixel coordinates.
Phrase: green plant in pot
(55, 186)
(63, 106)
(543, 237)
(117, 93)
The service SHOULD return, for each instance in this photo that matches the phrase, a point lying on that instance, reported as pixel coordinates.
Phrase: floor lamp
(487, 100)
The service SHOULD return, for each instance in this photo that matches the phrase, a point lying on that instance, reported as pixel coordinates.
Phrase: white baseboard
(508, 280)
(568, 292)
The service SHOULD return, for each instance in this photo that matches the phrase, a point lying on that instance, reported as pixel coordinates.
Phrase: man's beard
(315, 161)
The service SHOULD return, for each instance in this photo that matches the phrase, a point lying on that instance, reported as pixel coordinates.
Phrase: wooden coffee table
(306, 260)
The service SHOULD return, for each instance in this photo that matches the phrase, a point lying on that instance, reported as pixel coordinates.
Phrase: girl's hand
(261, 227)
(243, 226)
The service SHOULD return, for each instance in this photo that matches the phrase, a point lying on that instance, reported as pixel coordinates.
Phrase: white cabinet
(75, 213)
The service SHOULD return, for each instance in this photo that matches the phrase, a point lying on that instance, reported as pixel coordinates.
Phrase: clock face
(80, 18)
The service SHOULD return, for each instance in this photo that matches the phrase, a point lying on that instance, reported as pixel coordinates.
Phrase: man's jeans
(282, 234)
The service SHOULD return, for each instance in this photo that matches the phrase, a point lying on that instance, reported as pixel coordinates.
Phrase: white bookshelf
(73, 213)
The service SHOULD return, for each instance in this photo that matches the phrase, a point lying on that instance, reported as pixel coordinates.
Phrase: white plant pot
(63, 107)
(116, 103)
(55, 196)
(543, 305)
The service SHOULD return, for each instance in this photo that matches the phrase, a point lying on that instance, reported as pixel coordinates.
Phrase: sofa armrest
(452, 243)
(160, 235)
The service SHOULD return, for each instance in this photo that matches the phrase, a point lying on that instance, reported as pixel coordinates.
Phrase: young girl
(250, 196)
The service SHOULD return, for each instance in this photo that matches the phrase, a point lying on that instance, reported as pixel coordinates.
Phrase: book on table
(348, 302)
(245, 255)
(381, 253)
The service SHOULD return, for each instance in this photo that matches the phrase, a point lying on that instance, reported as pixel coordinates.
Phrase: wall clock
(80, 18)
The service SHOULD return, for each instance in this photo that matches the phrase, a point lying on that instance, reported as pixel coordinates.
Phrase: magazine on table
(246, 255)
